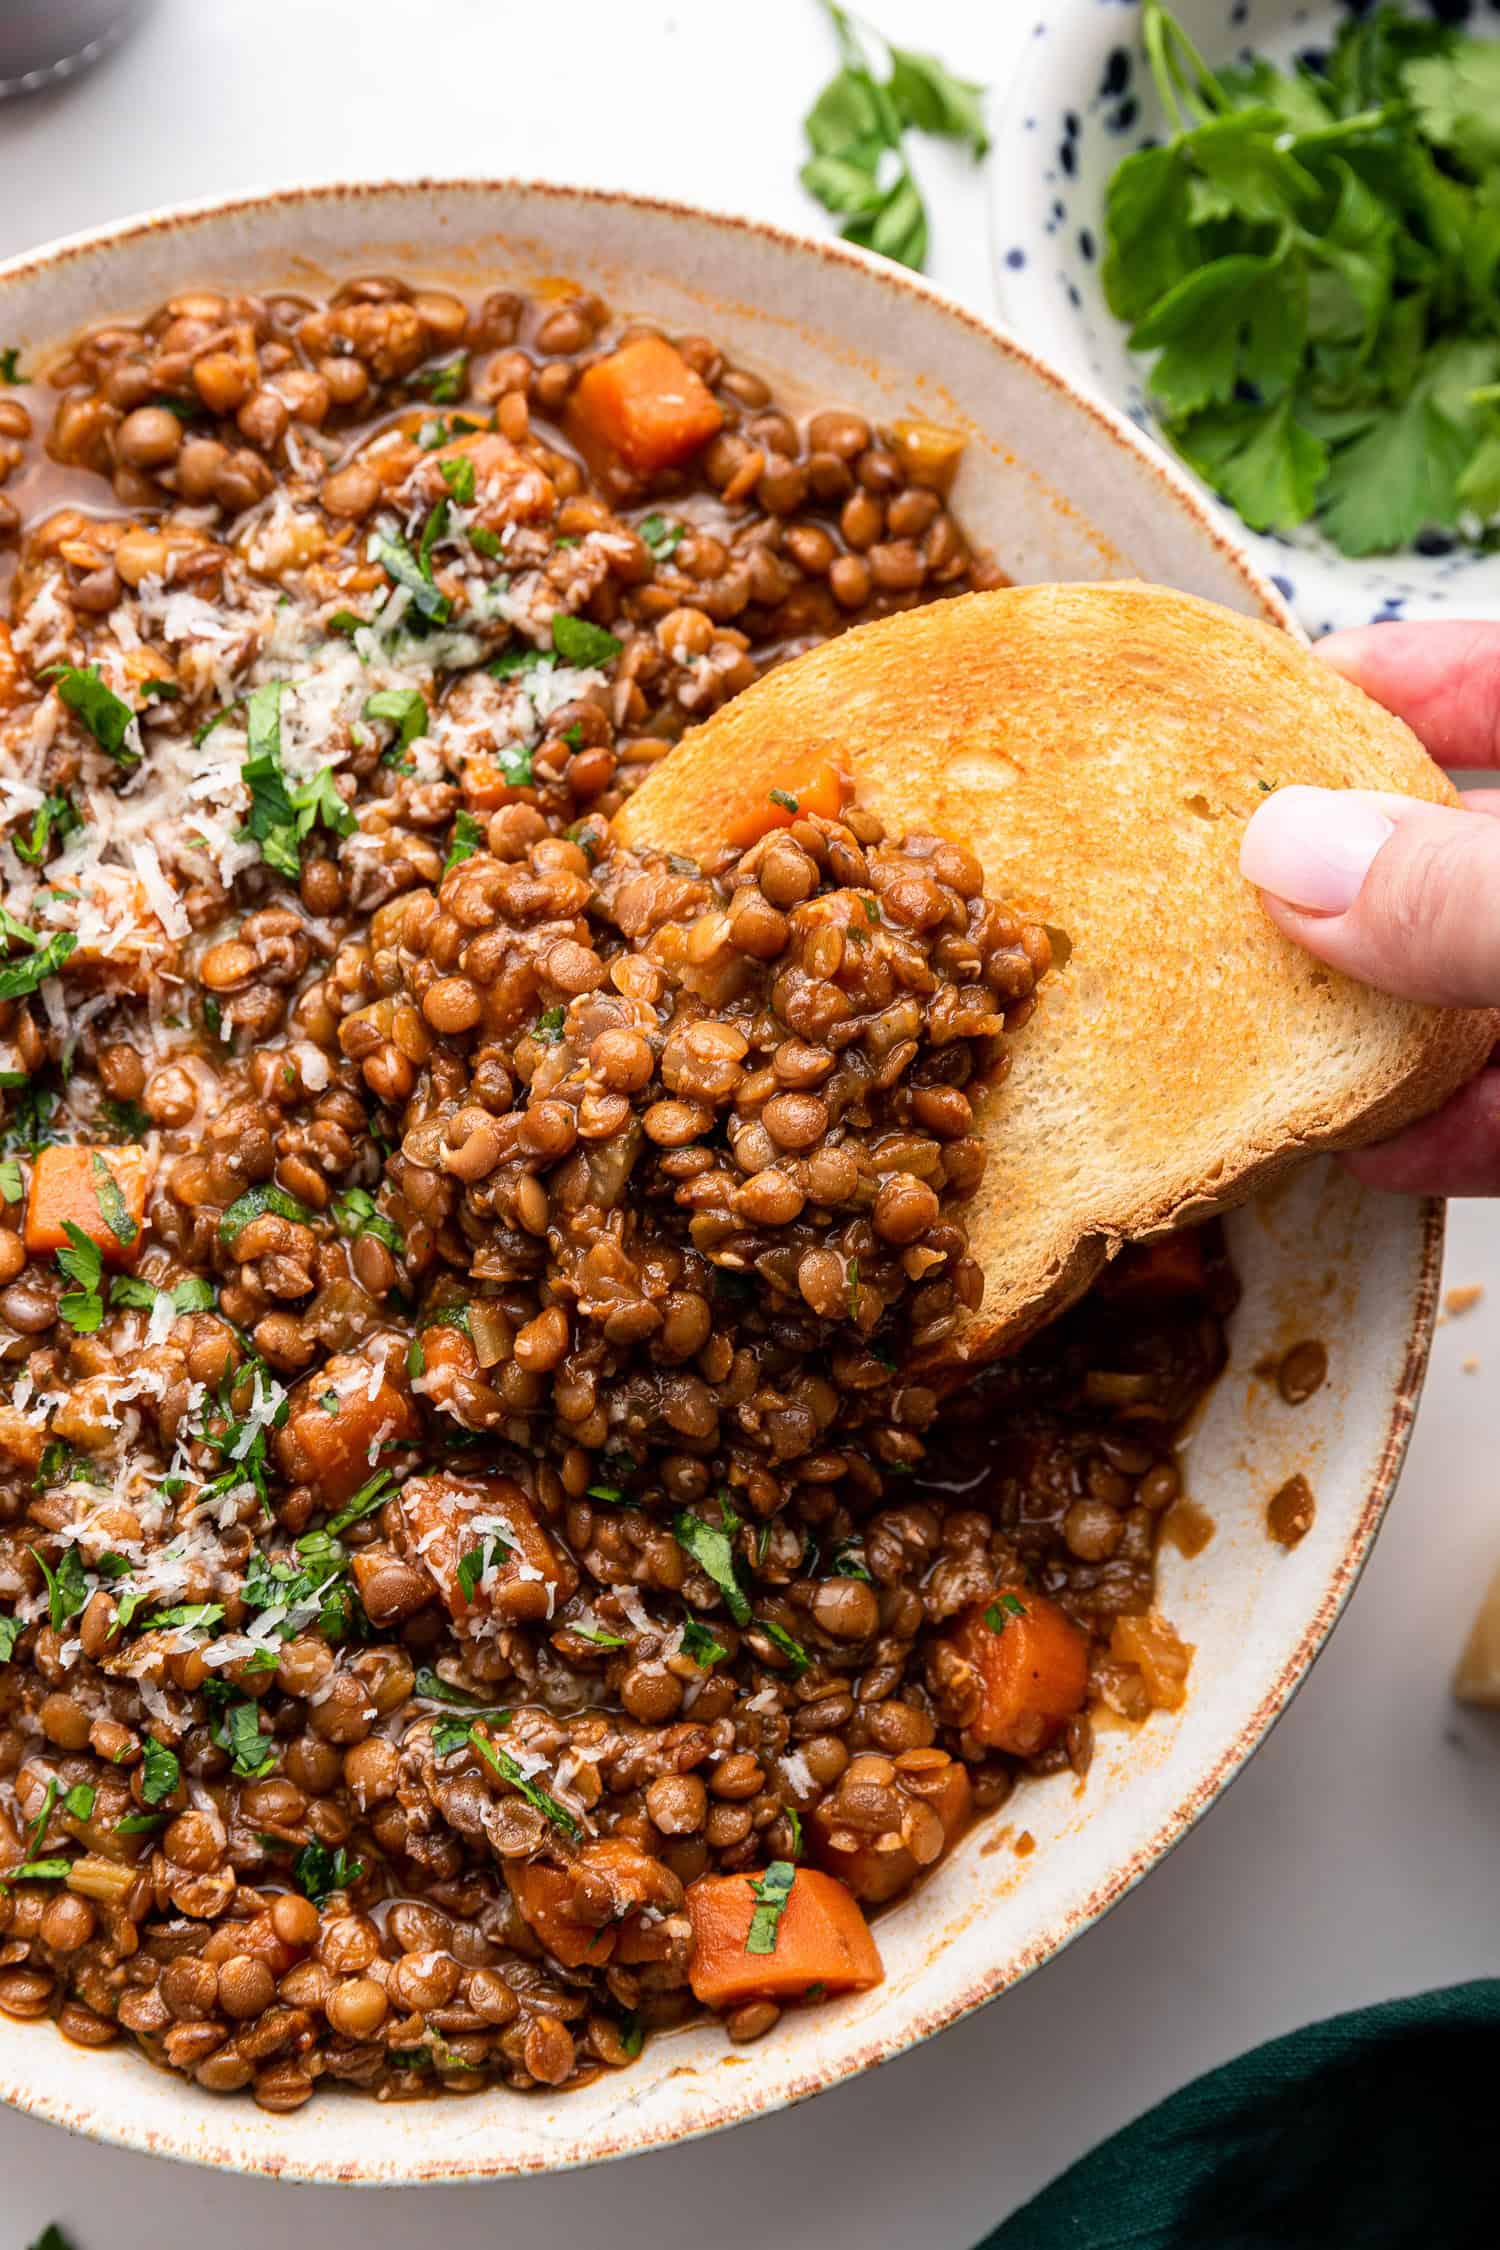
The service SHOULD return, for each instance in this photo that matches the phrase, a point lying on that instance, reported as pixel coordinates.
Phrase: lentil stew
(476, 1583)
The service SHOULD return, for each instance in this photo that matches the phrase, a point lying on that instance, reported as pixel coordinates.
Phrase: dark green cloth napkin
(1374, 2131)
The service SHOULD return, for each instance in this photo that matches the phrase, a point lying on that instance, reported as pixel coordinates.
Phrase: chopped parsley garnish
(135, 1295)
(319, 1872)
(11, 1629)
(12, 1186)
(316, 1580)
(663, 535)
(856, 129)
(126, 1120)
(82, 1263)
(188, 1617)
(371, 1495)
(238, 1732)
(795, 1654)
(254, 1203)
(699, 1643)
(55, 818)
(847, 1560)
(112, 1206)
(998, 1614)
(549, 1025)
(468, 838)
(506, 1767)
(139, 1823)
(38, 1871)
(712, 1549)
(515, 765)
(510, 661)
(476, 1560)
(10, 372)
(484, 541)
(458, 476)
(161, 691)
(598, 1637)
(771, 1895)
(399, 563)
(632, 2035)
(435, 1689)
(162, 1771)
(282, 816)
(347, 621)
(107, 719)
(445, 385)
(578, 641)
(784, 798)
(354, 1214)
(405, 709)
(17, 978)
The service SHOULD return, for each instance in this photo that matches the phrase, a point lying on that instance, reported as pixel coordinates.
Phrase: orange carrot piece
(645, 404)
(439, 1513)
(821, 1939)
(78, 1187)
(543, 1897)
(334, 1427)
(1031, 1668)
(819, 789)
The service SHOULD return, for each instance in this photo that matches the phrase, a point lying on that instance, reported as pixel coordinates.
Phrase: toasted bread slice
(1101, 749)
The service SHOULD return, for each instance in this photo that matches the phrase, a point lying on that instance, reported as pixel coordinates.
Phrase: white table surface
(1355, 1858)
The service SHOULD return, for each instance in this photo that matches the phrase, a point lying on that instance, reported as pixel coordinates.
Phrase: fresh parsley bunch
(1313, 258)
(856, 130)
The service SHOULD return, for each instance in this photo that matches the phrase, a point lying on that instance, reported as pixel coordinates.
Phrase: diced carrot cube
(1172, 1266)
(464, 1529)
(1030, 1666)
(819, 789)
(101, 1191)
(645, 404)
(336, 1430)
(821, 1939)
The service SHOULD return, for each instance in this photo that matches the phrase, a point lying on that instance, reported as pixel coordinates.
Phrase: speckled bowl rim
(989, 1981)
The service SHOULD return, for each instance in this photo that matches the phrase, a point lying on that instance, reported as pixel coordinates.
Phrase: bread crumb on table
(1463, 1298)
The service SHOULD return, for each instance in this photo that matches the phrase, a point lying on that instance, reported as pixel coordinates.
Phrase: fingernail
(1313, 847)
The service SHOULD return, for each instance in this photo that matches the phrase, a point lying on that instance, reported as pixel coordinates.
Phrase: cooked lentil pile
(479, 1580)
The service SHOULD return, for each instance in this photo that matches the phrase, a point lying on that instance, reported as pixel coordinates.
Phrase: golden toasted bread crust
(1101, 748)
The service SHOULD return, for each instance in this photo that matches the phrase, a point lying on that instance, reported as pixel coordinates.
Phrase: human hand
(1402, 894)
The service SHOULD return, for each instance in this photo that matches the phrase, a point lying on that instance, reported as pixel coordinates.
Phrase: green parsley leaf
(434, 1689)
(12, 1186)
(699, 1643)
(10, 372)
(578, 641)
(354, 1214)
(78, 1802)
(662, 534)
(712, 1549)
(162, 1771)
(126, 1120)
(402, 708)
(502, 1763)
(38, 1871)
(998, 1614)
(632, 2035)
(793, 1819)
(468, 838)
(54, 819)
(371, 1495)
(847, 1560)
(399, 563)
(188, 1617)
(598, 1637)
(771, 1895)
(795, 1654)
(238, 1732)
(782, 797)
(67, 1587)
(139, 1823)
(476, 1560)
(458, 476)
(112, 1206)
(549, 1025)
(82, 1263)
(319, 1872)
(17, 978)
(254, 1203)
(11, 1629)
(510, 661)
(484, 541)
(107, 719)
(445, 385)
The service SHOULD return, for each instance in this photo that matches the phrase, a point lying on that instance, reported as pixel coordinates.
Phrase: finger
(1398, 893)
(1443, 679)
(1456, 1151)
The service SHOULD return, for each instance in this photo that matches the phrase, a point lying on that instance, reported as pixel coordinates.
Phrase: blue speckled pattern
(1082, 99)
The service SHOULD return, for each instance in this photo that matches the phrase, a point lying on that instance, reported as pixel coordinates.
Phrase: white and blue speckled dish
(1081, 99)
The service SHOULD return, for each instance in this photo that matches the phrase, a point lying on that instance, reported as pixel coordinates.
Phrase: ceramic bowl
(1082, 98)
(1060, 487)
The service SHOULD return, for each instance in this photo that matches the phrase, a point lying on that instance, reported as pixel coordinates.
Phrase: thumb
(1401, 894)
